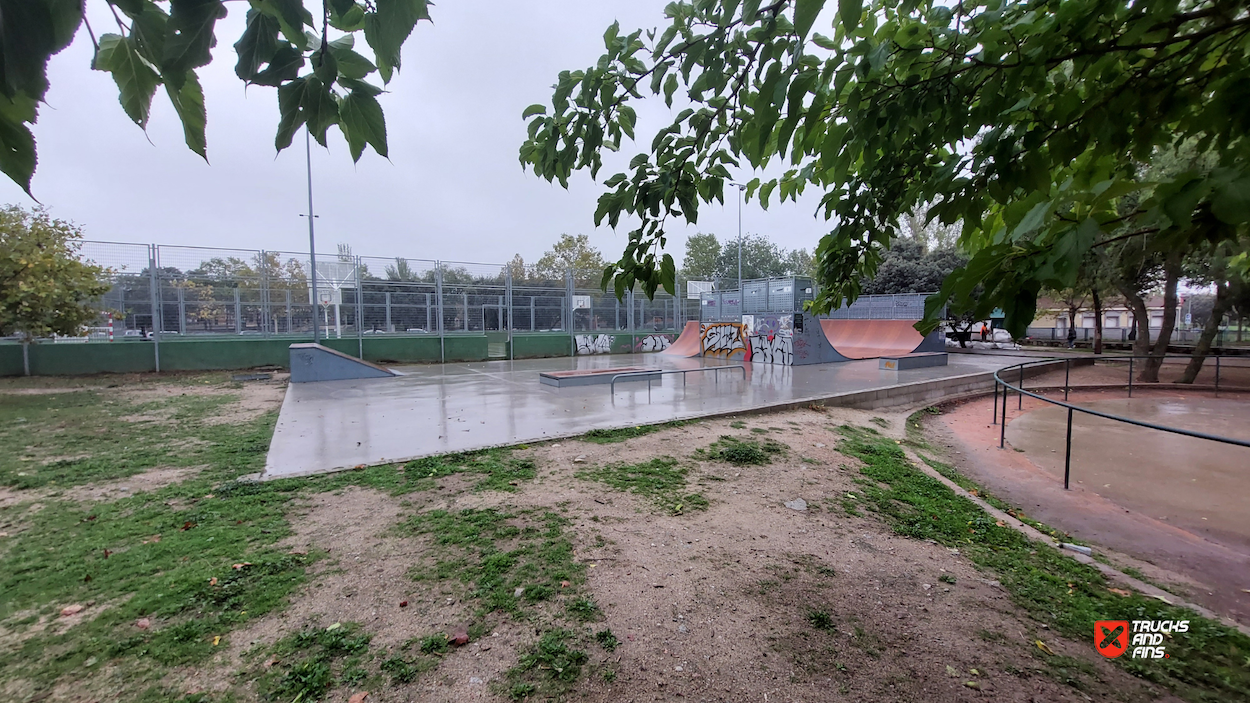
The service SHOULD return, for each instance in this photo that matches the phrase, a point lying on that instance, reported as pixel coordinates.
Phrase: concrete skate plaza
(434, 410)
(1197, 484)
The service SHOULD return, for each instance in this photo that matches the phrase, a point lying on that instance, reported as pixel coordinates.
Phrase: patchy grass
(494, 552)
(500, 470)
(624, 433)
(307, 664)
(820, 619)
(1208, 663)
(607, 639)
(742, 452)
(662, 479)
(548, 669)
(68, 439)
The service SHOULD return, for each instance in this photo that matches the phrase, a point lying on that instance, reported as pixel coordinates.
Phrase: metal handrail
(651, 373)
(1067, 463)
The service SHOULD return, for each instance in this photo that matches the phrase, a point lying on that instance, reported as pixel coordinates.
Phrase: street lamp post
(741, 194)
(312, 239)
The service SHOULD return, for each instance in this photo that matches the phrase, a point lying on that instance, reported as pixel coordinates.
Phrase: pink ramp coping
(868, 339)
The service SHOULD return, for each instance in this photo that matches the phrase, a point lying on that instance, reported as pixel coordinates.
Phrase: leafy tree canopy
(569, 253)
(1023, 120)
(707, 259)
(44, 287)
(321, 80)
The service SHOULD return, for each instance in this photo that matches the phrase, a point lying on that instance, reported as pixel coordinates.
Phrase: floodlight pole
(741, 194)
(312, 237)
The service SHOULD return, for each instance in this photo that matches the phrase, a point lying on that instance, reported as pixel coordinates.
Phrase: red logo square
(1111, 637)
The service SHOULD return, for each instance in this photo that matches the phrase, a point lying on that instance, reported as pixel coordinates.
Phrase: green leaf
(320, 108)
(535, 109)
(189, 37)
(291, 117)
(257, 45)
(27, 37)
(148, 31)
(17, 152)
(292, 17)
(351, 64)
(324, 65)
(850, 12)
(805, 12)
(362, 120)
(284, 66)
(388, 28)
(136, 81)
(189, 104)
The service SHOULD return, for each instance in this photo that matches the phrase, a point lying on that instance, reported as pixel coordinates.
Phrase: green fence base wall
(49, 359)
(540, 346)
(75, 359)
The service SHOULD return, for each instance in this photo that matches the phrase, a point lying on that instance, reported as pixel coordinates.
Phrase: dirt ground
(709, 605)
(1182, 552)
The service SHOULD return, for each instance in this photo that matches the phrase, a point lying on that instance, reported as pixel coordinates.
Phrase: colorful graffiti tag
(724, 340)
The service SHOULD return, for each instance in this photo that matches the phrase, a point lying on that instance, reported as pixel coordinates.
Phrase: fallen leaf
(564, 584)
(403, 604)
(359, 466)
(1042, 646)
(459, 638)
(71, 610)
(272, 662)
(1000, 523)
(212, 581)
(187, 525)
(107, 553)
(1120, 591)
(973, 685)
(143, 623)
(217, 640)
(951, 671)
(239, 567)
(358, 697)
(152, 540)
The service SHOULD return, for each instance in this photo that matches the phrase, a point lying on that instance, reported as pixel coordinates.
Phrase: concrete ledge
(590, 377)
(913, 361)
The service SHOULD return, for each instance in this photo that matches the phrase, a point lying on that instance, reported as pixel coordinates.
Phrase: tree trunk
(1097, 321)
(1172, 275)
(1223, 301)
(1141, 320)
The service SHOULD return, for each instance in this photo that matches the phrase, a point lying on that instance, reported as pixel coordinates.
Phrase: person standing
(1071, 337)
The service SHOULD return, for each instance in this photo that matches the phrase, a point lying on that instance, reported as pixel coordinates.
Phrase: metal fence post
(1217, 375)
(1067, 457)
(264, 293)
(507, 288)
(996, 401)
(154, 299)
(568, 293)
(387, 300)
(1067, 373)
(438, 293)
(360, 312)
(1002, 434)
(182, 310)
(238, 312)
(1020, 395)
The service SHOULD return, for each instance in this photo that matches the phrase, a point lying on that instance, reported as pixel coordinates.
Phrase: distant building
(1116, 315)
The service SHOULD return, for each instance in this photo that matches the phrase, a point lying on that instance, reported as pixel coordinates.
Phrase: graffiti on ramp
(724, 340)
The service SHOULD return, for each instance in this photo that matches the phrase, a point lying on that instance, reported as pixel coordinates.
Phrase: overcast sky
(452, 189)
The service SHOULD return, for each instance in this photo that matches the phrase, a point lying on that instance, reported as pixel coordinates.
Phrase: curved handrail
(1109, 416)
(1089, 411)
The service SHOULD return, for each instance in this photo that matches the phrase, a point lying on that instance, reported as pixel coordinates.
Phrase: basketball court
(431, 410)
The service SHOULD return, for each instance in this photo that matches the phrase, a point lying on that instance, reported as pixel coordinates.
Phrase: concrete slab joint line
(1036, 536)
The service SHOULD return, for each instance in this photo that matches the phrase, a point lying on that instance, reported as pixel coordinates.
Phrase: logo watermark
(1140, 639)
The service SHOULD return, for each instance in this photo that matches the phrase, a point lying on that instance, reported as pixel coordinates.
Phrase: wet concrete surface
(1198, 484)
(460, 407)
